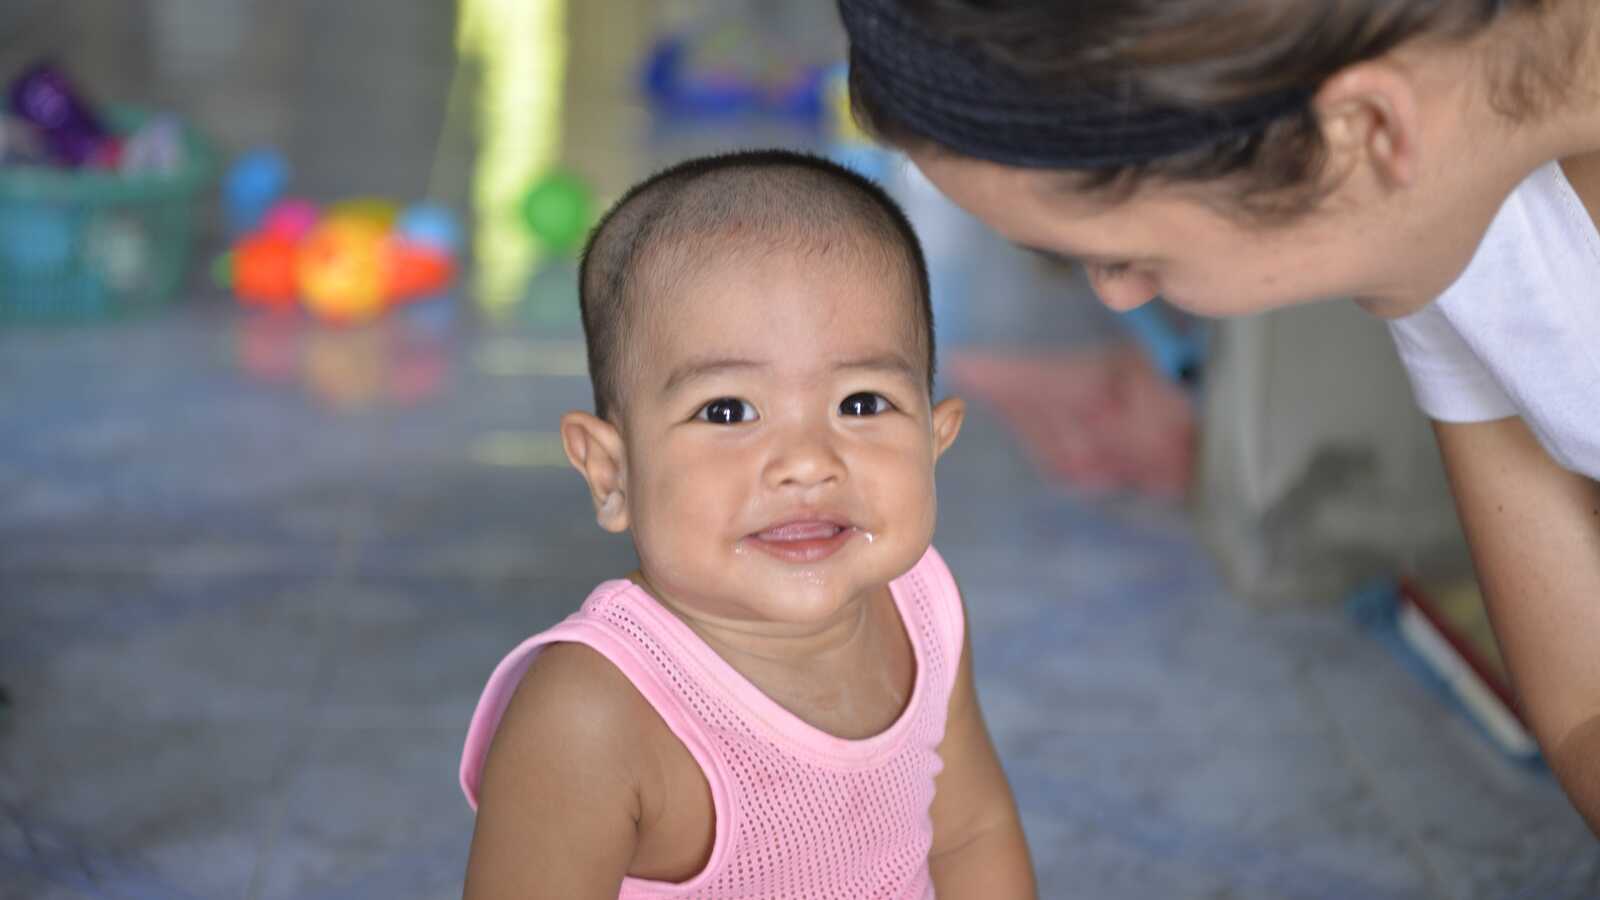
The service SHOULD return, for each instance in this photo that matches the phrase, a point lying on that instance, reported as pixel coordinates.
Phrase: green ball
(559, 210)
(222, 271)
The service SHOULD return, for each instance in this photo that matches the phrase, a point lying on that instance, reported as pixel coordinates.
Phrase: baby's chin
(798, 598)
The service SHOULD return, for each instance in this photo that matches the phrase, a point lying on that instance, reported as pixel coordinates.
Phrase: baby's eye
(727, 411)
(864, 403)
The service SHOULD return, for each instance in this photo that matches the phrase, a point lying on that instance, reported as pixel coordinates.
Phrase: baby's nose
(805, 460)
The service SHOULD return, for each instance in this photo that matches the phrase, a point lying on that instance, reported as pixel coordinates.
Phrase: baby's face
(780, 442)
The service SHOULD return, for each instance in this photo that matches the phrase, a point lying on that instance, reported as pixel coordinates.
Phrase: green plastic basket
(85, 244)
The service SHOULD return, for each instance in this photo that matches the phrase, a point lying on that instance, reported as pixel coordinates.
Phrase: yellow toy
(343, 269)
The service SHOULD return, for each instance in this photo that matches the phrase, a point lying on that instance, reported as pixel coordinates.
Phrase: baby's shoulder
(575, 695)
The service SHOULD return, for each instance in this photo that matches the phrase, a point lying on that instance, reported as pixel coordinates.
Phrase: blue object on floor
(1375, 607)
(1176, 354)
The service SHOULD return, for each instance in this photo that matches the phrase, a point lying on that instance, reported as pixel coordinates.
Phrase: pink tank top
(799, 813)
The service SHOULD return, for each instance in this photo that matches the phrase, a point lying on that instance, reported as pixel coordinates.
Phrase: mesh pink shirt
(799, 813)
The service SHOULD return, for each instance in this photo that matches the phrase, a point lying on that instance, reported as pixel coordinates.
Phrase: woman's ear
(947, 418)
(1369, 115)
(595, 448)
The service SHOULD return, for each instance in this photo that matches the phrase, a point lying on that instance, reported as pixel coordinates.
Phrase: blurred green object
(86, 244)
(559, 210)
(222, 271)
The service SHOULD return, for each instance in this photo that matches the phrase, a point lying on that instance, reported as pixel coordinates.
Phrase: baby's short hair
(685, 214)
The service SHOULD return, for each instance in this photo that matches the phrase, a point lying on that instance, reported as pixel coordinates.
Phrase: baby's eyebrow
(890, 363)
(696, 369)
(707, 367)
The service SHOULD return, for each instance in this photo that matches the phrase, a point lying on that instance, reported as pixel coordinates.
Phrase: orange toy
(343, 267)
(264, 271)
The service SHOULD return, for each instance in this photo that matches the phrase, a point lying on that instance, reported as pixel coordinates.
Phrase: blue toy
(676, 85)
(431, 225)
(253, 183)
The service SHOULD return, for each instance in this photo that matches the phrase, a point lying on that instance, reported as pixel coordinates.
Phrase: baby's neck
(850, 676)
(776, 644)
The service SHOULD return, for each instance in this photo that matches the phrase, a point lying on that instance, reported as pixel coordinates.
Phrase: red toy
(347, 267)
(264, 271)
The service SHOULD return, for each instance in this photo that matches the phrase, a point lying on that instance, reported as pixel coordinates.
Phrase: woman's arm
(559, 808)
(1534, 529)
(978, 847)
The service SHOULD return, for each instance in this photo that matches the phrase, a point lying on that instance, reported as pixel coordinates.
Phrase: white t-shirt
(1518, 334)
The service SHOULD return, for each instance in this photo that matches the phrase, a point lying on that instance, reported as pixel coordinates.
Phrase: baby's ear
(947, 418)
(595, 448)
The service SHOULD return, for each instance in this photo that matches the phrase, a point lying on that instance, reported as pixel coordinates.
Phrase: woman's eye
(727, 411)
(865, 403)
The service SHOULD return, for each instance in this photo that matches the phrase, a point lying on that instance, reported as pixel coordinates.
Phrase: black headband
(949, 93)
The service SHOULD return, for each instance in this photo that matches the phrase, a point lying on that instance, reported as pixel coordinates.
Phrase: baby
(779, 701)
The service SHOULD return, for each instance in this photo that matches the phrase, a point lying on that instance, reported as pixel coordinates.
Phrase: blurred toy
(155, 146)
(342, 268)
(95, 205)
(415, 270)
(264, 270)
(375, 210)
(727, 72)
(72, 134)
(430, 225)
(250, 187)
(345, 265)
(117, 250)
(20, 144)
(559, 210)
(291, 218)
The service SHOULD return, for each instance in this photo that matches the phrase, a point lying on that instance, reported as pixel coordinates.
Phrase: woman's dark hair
(1117, 93)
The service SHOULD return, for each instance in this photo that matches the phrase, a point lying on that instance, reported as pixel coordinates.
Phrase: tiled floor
(252, 577)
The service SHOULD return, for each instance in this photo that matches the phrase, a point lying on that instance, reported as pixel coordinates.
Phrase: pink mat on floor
(1100, 419)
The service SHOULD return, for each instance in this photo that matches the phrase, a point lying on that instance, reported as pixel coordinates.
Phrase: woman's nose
(1124, 291)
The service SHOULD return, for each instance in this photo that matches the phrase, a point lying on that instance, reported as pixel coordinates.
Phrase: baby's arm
(558, 811)
(978, 847)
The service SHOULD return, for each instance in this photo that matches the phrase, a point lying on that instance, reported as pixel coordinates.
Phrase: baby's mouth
(802, 541)
(800, 531)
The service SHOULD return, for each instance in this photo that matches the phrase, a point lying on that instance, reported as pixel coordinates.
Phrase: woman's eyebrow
(1074, 257)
